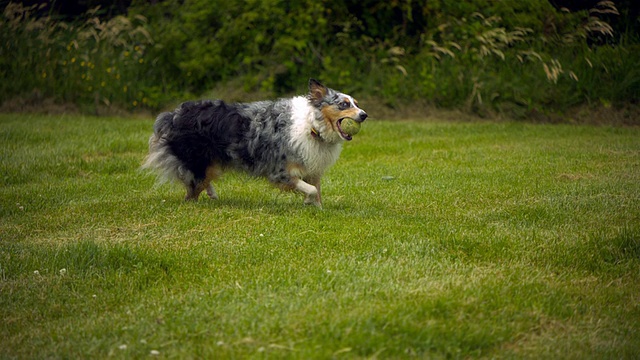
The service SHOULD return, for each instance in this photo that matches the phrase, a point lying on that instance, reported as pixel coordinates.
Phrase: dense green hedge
(480, 55)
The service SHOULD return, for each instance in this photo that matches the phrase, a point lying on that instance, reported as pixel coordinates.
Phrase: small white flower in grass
(328, 271)
(220, 343)
(123, 347)
(63, 271)
(143, 341)
(154, 352)
(261, 235)
(36, 272)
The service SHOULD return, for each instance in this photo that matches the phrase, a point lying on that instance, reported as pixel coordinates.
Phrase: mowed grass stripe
(437, 239)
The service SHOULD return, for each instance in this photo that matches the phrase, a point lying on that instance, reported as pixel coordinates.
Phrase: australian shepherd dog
(291, 142)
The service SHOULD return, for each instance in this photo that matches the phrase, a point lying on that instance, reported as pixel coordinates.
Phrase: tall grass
(487, 65)
(515, 58)
(92, 61)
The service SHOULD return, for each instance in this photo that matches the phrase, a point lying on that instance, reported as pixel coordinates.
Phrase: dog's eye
(343, 105)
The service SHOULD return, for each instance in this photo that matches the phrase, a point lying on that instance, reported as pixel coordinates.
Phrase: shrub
(484, 56)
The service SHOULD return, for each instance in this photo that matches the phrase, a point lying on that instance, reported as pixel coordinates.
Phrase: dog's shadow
(278, 204)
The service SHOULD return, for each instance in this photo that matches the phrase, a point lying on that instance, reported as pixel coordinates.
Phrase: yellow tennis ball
(349, 126)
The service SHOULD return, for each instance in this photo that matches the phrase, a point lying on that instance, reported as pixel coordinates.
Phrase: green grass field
(437, 240)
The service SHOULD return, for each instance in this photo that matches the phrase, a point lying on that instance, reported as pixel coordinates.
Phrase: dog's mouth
(344, 135)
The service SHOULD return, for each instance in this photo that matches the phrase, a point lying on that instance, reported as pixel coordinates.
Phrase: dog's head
(334, 107)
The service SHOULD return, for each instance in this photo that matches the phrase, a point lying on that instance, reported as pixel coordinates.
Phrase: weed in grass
(436, 240)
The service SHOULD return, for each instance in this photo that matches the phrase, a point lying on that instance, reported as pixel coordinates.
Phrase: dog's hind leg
(191, 183)
(213, 172)
(197, 186)
(194, 188)
(212, 192)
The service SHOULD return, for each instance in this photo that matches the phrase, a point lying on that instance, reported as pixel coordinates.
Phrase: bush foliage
(484, 56)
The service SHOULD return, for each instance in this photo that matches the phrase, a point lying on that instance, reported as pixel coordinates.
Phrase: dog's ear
(317, 91)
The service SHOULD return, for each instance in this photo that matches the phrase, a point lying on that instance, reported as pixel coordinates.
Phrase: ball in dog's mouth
(348, 127)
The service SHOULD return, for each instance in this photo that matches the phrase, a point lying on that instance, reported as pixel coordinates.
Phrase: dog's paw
(313, 201)
(211, 192)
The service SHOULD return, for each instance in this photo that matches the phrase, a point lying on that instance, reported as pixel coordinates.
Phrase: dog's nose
(363, 116)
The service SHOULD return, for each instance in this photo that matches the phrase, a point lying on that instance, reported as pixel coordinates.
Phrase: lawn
(437, 240)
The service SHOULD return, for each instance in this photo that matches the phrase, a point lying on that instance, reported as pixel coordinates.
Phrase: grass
(437, 240)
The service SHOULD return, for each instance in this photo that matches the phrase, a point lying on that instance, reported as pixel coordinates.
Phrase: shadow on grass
(273, 203)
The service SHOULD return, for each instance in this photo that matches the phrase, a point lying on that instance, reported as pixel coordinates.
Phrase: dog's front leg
(314, 199)
(312, 193)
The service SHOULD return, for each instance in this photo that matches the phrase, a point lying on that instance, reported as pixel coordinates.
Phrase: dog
(291, 142)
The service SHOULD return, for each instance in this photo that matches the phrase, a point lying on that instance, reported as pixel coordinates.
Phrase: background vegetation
(486, 57)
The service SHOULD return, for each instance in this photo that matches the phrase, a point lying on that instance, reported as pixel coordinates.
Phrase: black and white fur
(291, 142)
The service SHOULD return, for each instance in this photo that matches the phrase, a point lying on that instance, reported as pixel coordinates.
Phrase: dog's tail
(161, 159)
